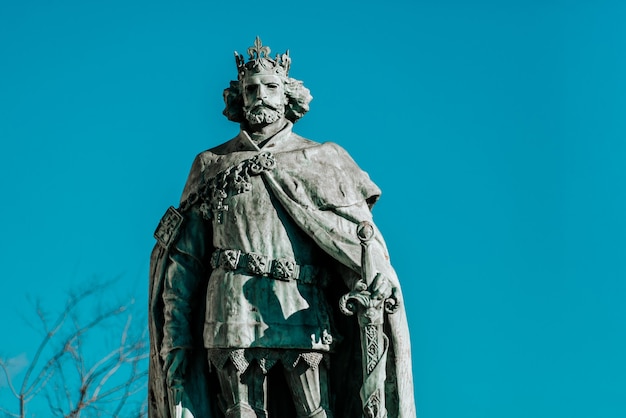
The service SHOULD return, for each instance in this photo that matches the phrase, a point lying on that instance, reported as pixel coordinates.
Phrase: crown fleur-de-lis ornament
(256, 51)
(260, 62)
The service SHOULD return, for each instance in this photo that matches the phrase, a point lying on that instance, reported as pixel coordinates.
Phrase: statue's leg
(309, 390)
(243, 394)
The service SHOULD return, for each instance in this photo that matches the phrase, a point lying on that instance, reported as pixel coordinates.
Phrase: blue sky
(496, 131)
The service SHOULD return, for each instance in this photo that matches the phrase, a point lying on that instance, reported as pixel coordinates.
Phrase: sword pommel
(365, 231)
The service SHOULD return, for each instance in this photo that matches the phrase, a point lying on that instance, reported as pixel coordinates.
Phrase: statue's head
(263, 91)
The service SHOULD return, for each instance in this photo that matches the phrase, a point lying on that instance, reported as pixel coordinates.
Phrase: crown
(259, 61)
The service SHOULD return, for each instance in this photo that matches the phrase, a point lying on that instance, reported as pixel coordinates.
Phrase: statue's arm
(185, 272)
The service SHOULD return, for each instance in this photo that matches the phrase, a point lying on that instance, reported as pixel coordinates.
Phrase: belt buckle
(283, 269)
(256, 264)
(229, 259)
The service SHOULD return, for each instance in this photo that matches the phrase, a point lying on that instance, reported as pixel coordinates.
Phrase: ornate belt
(259, 265)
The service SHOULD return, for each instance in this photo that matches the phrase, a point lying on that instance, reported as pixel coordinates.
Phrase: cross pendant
(218, 210)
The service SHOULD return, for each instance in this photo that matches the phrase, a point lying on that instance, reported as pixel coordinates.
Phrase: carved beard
(263, 114)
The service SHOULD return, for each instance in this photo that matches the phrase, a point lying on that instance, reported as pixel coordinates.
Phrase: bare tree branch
(54, 408)
(74, 336)
(9, 413)
(64, 386)
(3, 366)
(69, 306)
(108, 386)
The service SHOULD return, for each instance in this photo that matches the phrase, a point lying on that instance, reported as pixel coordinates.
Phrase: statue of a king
(249, 270)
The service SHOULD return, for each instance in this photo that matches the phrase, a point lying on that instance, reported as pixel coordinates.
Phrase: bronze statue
(250, 270)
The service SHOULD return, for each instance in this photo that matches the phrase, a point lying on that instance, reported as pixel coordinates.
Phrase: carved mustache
(261, 104)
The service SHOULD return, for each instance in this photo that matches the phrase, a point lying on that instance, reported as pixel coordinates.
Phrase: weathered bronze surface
(256, 273)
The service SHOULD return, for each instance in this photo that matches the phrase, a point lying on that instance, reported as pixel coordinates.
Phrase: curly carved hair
(298, 98)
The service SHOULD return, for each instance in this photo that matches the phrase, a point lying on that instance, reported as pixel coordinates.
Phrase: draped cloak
(326, 195)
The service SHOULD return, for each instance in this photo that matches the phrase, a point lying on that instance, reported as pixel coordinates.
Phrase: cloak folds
(327, 195)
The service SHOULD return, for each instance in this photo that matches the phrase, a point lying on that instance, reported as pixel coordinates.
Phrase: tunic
(248, 310)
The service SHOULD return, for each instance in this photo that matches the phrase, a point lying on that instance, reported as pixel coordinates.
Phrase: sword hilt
(365, 232)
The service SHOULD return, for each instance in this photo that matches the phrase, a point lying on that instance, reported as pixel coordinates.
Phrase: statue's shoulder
(205, 163)
(210, 158)
(328, 150)
(214, 154)
(298, 142)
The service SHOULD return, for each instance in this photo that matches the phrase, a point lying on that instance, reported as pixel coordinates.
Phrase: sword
(370, 309)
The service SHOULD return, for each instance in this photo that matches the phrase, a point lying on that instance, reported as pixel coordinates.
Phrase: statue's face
(264, 98)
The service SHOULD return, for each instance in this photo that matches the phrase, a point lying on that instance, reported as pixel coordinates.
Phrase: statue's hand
(175, 364)
(381, 287)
